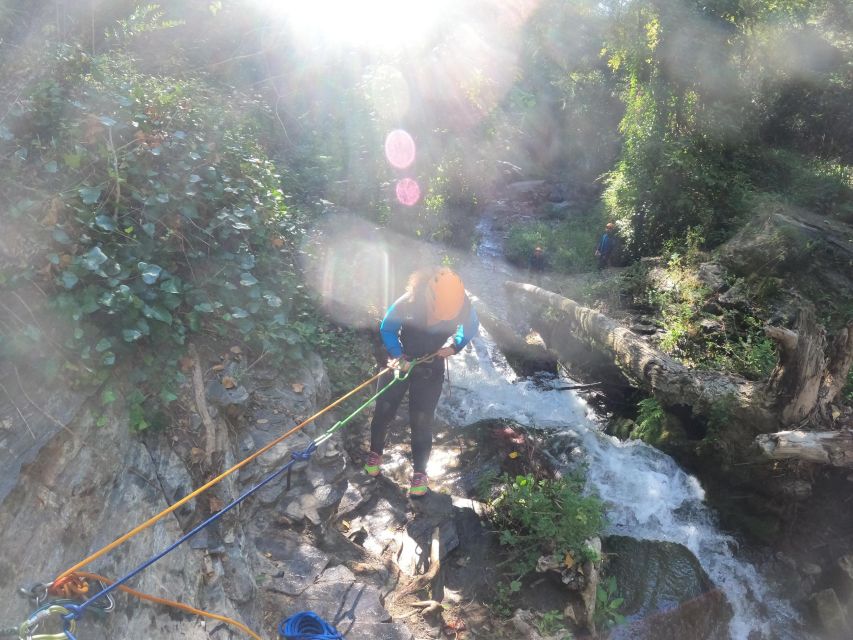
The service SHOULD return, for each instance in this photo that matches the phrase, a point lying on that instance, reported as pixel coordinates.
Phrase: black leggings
(424, 387)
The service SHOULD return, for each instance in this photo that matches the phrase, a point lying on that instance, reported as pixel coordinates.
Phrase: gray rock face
(292, 564)
(78, 493)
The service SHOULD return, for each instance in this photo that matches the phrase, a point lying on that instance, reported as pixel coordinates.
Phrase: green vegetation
(569, 246)
(552, 623)
(157, 215)
(651, 420)
(607, 603)
(540, 517)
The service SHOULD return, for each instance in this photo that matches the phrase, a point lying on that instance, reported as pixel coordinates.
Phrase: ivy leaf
(94, 259)
(109, 359)
(150, 272)
(248, 280)
(51, 167)
(131, 335)
(149, 228)
(69, 279)
(169, 286)
(107, 121)
(195, 178)
(157, 313)
(61, 236)
(105, 223)
(237, 312)
(90, 195)
(204, 307)
(272, 300)
(103, 345)
(162, 198)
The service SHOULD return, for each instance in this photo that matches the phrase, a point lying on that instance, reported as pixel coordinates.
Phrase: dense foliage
(161, 216)
(541, 517)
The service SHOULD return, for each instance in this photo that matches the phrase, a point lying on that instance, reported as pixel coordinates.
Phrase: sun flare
(371, 24)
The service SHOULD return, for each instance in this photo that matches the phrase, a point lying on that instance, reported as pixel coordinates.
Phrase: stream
(647, 495)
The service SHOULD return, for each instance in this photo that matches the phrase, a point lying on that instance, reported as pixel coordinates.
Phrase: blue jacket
(404, 329)
(605, 245)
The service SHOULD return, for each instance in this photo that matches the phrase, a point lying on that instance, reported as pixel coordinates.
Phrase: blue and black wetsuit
(405, 332)
(605, 248)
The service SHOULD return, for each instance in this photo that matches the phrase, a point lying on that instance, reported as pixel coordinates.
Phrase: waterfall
(646, 494)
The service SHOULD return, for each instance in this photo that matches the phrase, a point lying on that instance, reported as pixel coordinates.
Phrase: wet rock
(810, 569)
(772, 245)
(712, 276)
(338, 573)
(735, 298)
(293, 564)
(354, 496)
(710, 326)
(830, 614)
(232, 402)
(341, 603)
(413, 544)
(657, 581)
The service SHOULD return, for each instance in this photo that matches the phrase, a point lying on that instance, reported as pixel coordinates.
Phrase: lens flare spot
(408, 192)
(400, 149)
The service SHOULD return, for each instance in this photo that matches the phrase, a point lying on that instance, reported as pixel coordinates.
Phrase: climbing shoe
(420, 486)
(373, 465)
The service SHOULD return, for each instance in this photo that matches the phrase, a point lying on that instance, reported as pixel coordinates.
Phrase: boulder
(667, 594)
(527, 190)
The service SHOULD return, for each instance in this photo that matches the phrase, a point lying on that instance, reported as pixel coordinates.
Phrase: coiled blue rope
(307, 625)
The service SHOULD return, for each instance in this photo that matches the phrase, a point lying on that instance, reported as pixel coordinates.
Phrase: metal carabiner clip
(27, 630)
(38, 592)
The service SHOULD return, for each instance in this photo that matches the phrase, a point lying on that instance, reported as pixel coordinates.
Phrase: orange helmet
(445, 296)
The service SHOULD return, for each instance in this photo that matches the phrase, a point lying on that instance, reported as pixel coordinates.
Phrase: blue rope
(307, 625)
(76, 611)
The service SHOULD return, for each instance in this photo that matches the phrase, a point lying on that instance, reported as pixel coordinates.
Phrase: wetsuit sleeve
(466, 330)
(390, 327)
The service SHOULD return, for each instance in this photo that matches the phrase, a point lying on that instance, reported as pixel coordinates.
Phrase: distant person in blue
(434, 316)
(605, 246)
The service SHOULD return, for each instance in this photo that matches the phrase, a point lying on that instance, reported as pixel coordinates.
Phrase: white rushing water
(646, 494)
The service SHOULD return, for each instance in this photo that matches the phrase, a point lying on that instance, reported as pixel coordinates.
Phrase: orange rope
(171, 603)
(127, 536)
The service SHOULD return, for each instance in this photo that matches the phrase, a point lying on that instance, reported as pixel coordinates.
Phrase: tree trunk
(801, 388)
(824, 447)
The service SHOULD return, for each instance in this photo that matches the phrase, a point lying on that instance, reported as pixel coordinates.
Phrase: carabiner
(27, 629)
(38, 592)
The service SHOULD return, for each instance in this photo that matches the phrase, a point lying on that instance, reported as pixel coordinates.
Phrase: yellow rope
(136, 530)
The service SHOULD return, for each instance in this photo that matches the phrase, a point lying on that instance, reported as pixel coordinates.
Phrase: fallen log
(824, 447)
(800, 390)
(671, 382)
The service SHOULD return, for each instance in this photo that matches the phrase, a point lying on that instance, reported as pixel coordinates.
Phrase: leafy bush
(541, 517)
(607, 603)
(164, 218)
(650, 421)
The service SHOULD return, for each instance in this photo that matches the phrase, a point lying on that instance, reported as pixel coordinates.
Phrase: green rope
(340, 424)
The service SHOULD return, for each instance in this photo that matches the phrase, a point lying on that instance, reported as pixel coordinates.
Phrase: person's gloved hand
(402, 364)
